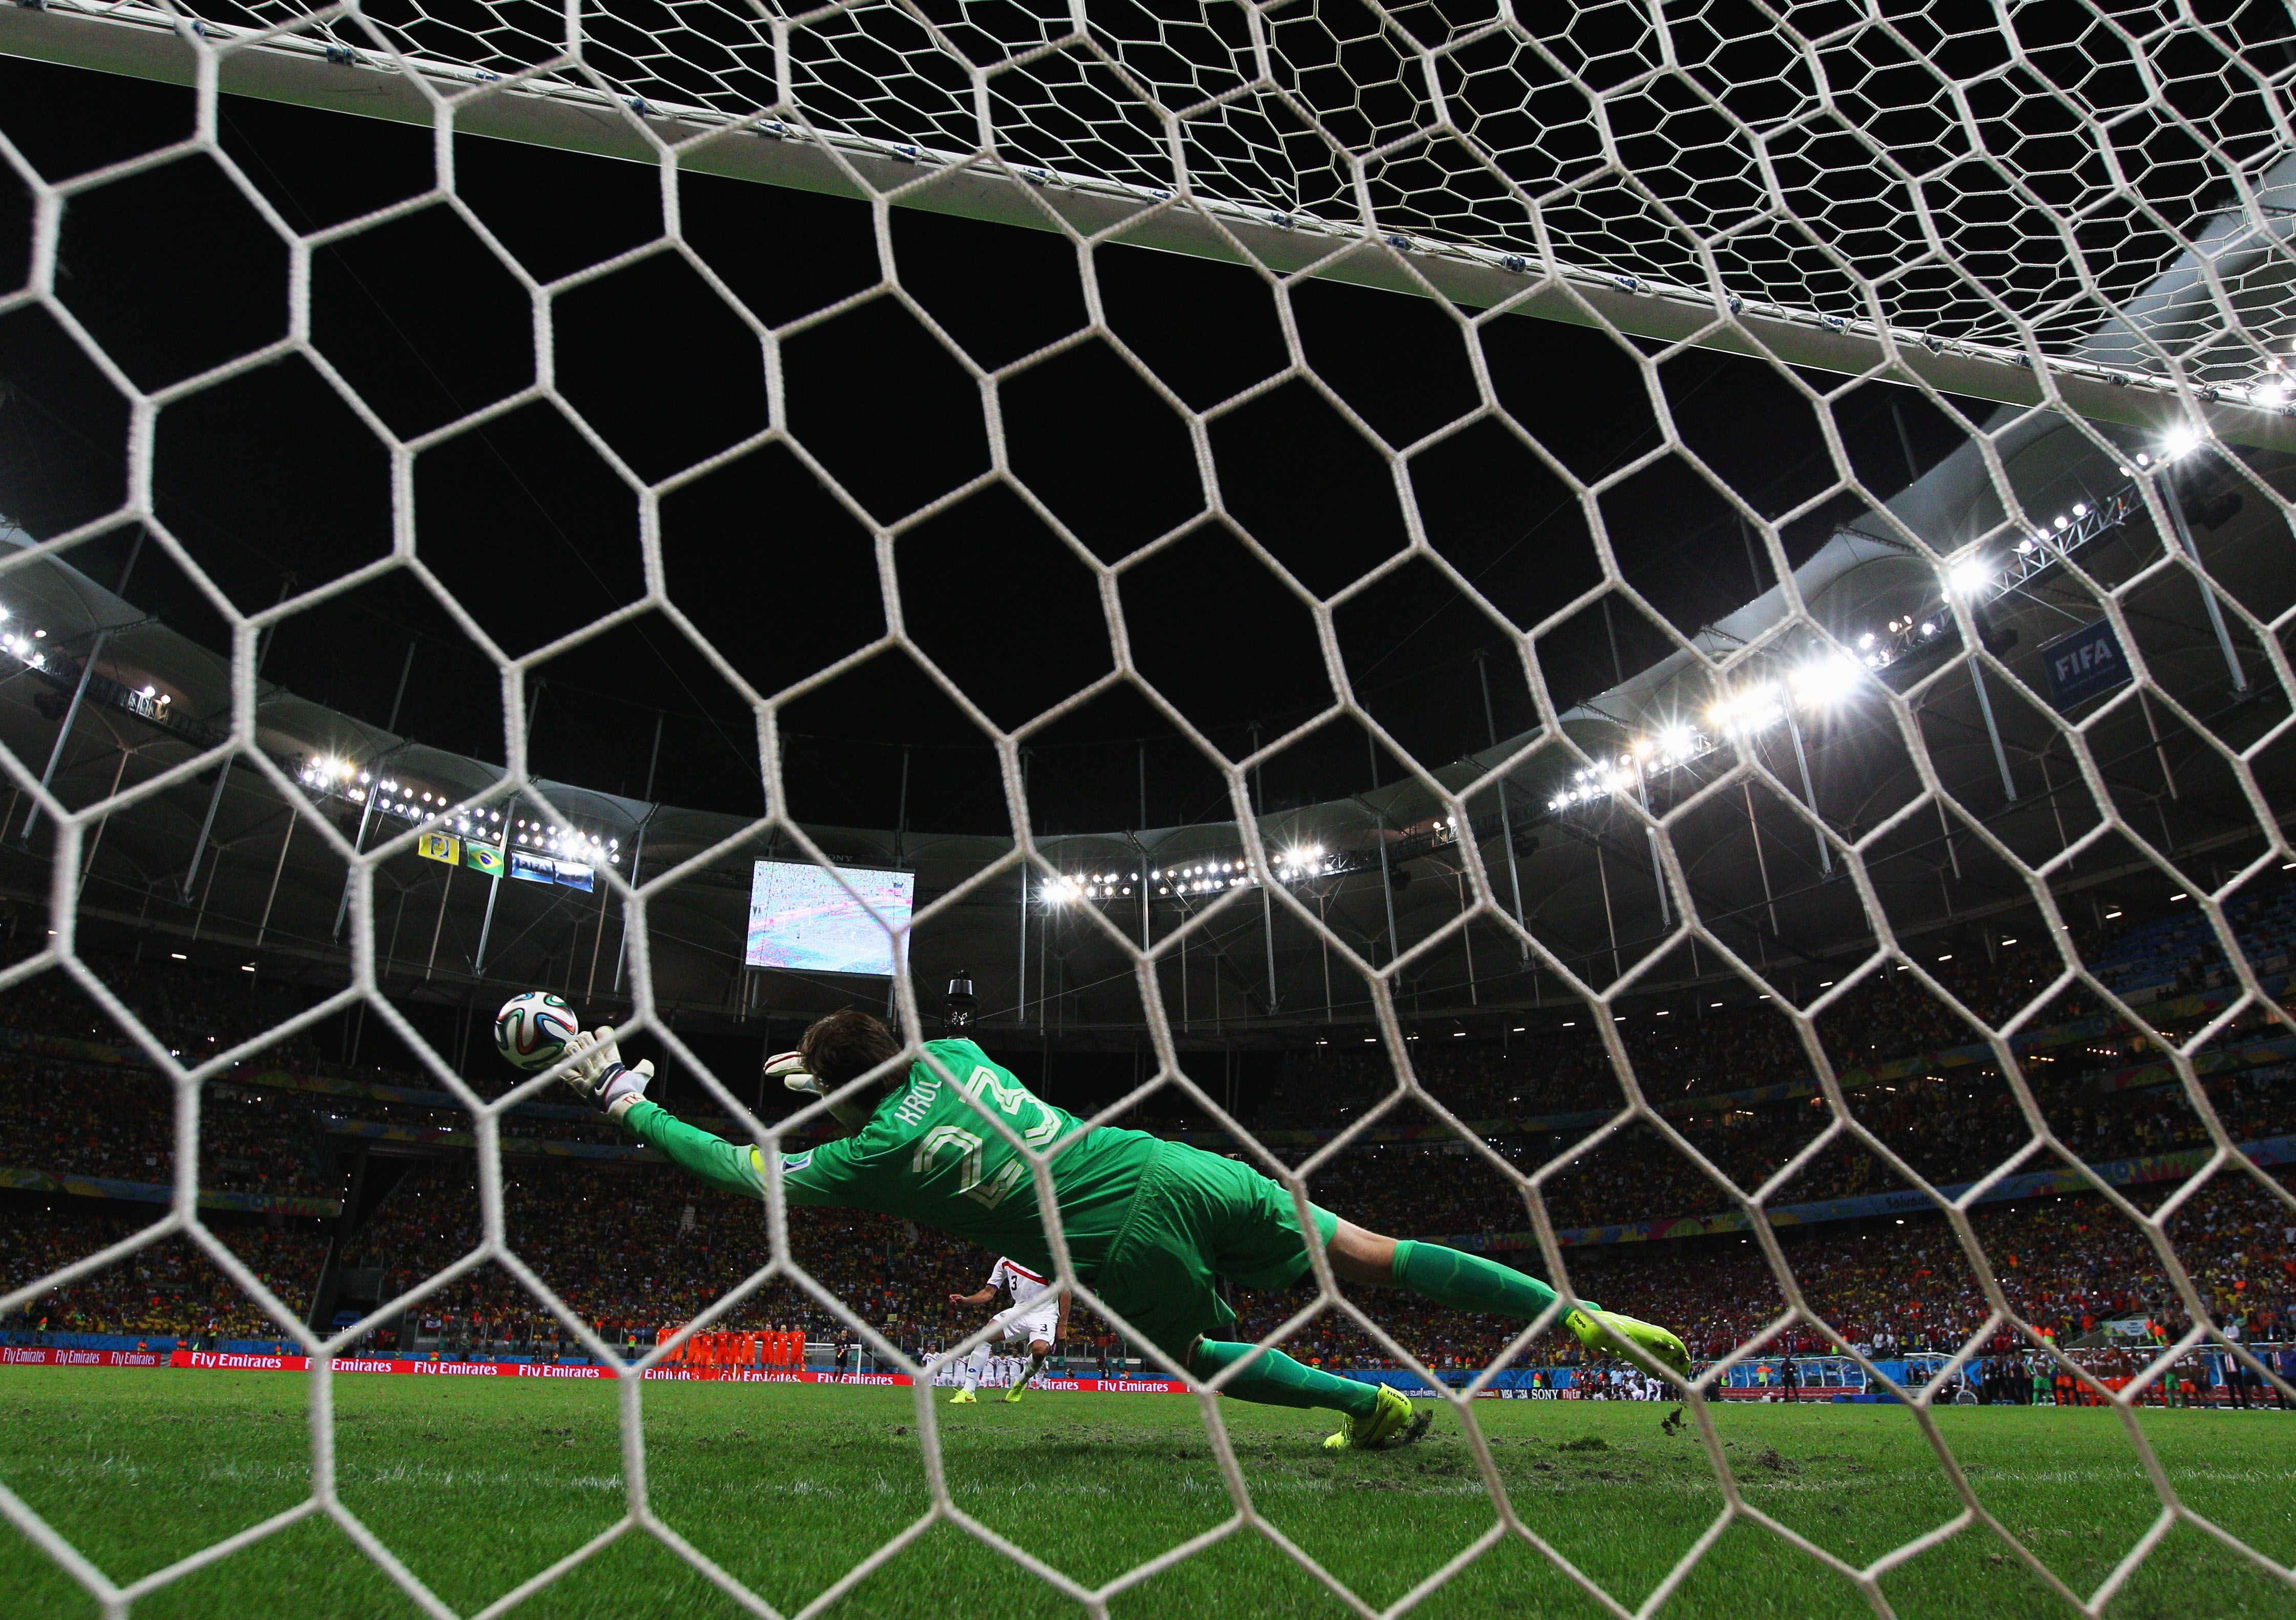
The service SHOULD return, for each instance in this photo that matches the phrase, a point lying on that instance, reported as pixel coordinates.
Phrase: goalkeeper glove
(790, 1067)
(599, 1074)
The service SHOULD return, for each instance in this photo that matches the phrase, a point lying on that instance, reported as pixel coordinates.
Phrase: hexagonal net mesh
(2080, 212)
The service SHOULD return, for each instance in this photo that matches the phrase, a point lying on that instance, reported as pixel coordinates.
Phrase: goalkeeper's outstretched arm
(602, 1077)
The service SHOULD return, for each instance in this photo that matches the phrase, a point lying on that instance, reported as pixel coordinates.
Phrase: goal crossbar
(145, 42)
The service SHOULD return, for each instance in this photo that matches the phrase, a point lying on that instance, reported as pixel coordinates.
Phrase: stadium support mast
(64, 731)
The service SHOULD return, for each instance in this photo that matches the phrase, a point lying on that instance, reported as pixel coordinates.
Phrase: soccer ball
(532, 1029)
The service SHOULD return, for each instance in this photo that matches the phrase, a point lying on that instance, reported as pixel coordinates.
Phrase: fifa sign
(2083, 664)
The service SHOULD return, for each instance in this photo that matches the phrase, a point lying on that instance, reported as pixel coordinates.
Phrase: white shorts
(1029, 1322)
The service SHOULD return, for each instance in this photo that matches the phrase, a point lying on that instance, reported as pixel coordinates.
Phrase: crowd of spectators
(103, 1120)
(169, 1288)
(1688, 1050)
(1699, 1048)
(1950, 1129)
(1887, 1286)
(68, 1112)
(194, 1013)
(631, 1246)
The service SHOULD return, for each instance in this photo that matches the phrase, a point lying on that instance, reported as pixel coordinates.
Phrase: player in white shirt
(1038, 1318)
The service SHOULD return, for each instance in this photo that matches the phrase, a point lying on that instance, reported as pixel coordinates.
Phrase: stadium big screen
(837, 920)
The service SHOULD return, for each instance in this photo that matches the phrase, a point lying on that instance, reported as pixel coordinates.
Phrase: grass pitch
(479, 1485)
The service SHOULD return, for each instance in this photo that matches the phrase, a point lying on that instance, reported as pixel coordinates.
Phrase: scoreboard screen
(801, 917)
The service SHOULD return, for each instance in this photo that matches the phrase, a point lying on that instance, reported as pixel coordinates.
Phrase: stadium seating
(630, 1246)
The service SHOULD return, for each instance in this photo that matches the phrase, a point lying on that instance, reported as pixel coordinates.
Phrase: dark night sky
(270, 478)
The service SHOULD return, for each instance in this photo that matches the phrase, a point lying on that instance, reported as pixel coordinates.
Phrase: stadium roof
(1584, 872)
(188, 854)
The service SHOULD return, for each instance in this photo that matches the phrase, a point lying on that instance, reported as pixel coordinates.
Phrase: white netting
(2074, 182)
(1946, 174)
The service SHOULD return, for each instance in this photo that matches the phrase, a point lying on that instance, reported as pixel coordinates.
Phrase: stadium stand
(168, 1291)
(87, 1126)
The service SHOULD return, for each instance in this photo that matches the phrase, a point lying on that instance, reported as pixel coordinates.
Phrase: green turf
(476, 1486)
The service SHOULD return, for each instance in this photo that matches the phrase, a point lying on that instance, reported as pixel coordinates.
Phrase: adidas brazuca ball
(532, 1029)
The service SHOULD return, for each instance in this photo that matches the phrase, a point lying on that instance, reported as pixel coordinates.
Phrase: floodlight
(1749, 709)
(1679, 741)
(1968, 576)
(1826, 681)
(2181, 439)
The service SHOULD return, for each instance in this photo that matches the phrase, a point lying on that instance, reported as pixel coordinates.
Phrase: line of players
(1035, 1322)
(1037, 1319)
(775, 1350)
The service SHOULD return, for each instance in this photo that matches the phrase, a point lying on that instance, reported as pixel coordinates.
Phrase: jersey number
(983, 1084)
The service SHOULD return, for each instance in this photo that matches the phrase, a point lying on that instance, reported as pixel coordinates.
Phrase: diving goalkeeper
(1150, 1223)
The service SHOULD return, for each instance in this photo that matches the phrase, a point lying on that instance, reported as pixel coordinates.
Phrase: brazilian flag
(483, 858)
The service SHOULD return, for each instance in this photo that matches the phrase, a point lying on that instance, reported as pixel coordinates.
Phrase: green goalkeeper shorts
(1197, 1217)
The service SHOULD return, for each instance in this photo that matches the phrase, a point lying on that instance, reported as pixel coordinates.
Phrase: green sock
(1468, 1282)
(1277, 1380)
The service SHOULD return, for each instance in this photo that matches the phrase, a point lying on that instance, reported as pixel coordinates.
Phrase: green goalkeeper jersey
(928, 1155)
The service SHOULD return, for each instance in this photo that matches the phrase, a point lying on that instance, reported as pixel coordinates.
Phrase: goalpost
(2090, 226)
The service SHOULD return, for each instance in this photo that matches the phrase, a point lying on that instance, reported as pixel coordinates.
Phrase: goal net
(1877, 818)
